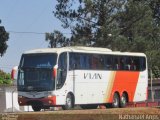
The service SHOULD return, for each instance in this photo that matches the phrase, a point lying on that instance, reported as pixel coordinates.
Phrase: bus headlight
(50, 96)
(52, 99)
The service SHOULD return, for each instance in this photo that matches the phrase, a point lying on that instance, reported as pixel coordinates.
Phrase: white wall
(9, 100)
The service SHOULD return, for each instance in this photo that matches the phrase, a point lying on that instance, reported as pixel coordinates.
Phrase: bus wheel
(69, 102)
(116, 101)
(36, 108)
(123, 101)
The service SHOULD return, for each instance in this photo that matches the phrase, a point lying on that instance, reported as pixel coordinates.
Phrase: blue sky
(26, 16)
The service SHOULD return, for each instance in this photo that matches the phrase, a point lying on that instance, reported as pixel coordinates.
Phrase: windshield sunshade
(38, 60)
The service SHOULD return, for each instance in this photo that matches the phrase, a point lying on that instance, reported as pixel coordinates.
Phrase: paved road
(95, 114)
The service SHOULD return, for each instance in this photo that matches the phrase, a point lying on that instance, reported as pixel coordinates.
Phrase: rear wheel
(69, 102)
(123, 101)
(36, 108)
(116, 101)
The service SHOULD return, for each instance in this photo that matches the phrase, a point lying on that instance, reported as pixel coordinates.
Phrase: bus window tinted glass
(79, 61)
(106, 62)
(38, 60)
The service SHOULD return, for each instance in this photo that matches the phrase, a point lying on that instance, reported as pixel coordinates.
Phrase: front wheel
(69, 104)
(36, 108)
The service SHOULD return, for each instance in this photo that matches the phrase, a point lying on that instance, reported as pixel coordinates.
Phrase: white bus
(84, 76)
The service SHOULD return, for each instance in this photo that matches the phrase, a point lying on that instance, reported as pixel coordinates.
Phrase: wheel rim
(115, 101)
(69, 102)
(123, 99)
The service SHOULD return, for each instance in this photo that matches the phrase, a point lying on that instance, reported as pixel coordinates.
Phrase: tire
(123, 100)
(36, 108)
(89, 106)
(116, 101)
(69, 104)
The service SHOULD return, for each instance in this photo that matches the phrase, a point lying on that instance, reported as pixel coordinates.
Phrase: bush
(5, 78)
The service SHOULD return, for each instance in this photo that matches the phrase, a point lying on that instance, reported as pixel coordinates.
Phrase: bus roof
(96, 50)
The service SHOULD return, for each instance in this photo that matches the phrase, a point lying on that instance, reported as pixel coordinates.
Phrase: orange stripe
(125, 81)
(109, 87)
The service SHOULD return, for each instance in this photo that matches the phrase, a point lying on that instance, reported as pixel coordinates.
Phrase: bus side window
(108, 62)
(132, 64)
(78, 65)
(101, 62)
(127, 63)
(122, 63)
(88, 61)
(75, 61)
(116, 63)
(72, 61)
(137, 63)
(94, 62)
(142, 63)
(82, 61)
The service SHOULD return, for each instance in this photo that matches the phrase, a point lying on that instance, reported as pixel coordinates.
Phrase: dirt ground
(94, 114)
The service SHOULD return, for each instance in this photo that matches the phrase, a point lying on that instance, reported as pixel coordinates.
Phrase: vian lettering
(92, 76)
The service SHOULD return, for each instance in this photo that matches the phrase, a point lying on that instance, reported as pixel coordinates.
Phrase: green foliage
(156, 72)
(56, 39)
(5, 78)
(123, 25)
(155, 6)
(4, 36)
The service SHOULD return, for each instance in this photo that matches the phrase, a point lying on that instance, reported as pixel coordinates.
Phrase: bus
(84, 76)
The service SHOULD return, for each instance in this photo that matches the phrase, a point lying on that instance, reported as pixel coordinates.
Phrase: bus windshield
(36, 72)
(38, 60)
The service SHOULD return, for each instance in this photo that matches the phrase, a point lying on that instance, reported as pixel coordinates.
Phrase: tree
(56, 39)
(91, 21)
(4, 36)
(135, 24)
(123, 25)
(155, 6)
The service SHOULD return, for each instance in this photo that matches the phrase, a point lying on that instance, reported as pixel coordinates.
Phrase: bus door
(76, 76)
(62, 70)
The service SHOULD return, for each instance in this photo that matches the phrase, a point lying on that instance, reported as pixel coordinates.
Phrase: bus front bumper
(45, 101)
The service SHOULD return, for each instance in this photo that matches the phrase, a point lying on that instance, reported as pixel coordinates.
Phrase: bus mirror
(14, 72)
(54, 73)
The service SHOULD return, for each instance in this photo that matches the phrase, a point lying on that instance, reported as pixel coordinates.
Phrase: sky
(20, 16)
